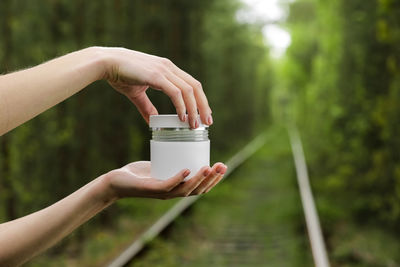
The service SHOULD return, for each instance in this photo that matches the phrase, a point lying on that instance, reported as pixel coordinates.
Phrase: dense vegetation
(97, 129)
(342, 81)
(339, 82)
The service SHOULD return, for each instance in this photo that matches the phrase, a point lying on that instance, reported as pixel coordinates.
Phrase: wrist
(104, 191)
(102, 60)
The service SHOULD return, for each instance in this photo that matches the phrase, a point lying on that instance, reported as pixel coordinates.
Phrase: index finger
(201, 99)
(165, 186)
(162, 83)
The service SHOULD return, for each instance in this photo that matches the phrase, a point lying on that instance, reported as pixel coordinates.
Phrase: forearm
(27, 93)
(25, 237)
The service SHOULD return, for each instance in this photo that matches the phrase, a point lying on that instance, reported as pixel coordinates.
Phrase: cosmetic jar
(174, 147)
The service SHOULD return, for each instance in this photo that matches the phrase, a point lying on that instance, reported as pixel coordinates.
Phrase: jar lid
(170, 121)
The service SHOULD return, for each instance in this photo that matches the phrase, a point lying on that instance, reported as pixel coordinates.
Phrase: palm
(135, 179)
(140, 169)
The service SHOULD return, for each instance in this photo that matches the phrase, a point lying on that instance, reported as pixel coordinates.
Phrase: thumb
(174, 181)
(144, 105)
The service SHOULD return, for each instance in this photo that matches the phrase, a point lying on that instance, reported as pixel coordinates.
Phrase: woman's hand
(132, 73)
(134, 180)
(25, 237)
(129, 72)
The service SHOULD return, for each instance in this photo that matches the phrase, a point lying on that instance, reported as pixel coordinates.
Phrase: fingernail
(209, 120)
(182, 117)
(196, 124)
(185, 117)
(186, 173)
(221, 169)
(206, 172)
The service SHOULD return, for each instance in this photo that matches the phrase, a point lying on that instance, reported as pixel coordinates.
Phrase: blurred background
(332, 67)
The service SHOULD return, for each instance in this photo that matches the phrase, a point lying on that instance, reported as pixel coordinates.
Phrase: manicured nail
(221, 169)
(206, 172)
(209, 120)
(186, 173)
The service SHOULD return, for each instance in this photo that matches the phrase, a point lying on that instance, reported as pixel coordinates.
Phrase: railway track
(250, 241)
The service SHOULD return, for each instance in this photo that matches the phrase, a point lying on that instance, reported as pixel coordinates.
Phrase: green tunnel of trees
(339, 82)
(97, 129)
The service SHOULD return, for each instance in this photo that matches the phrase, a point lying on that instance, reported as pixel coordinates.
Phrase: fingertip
(206, 171)
(216, 164)
(206, 118)
(185, 173)
(147, 116)
(210, 120)
(144, 105)
(193, 122)
(174, 181)
(194, 119)
(179, 177)
(182, 117)
(153, 112)
(203, 118)
(221, 168)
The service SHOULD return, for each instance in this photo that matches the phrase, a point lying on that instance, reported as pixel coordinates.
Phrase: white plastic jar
(174, 147)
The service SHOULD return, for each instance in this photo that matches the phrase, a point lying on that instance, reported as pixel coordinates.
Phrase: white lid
(170, 121)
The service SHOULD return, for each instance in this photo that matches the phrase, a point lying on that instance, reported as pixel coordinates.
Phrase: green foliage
(97, 130)
(342, 89)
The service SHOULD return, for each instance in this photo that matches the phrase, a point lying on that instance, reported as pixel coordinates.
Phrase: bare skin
(27, 93)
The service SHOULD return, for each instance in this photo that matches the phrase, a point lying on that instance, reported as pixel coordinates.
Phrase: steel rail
(312, 221)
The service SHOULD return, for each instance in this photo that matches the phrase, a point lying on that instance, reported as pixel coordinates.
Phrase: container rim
(170, 121)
